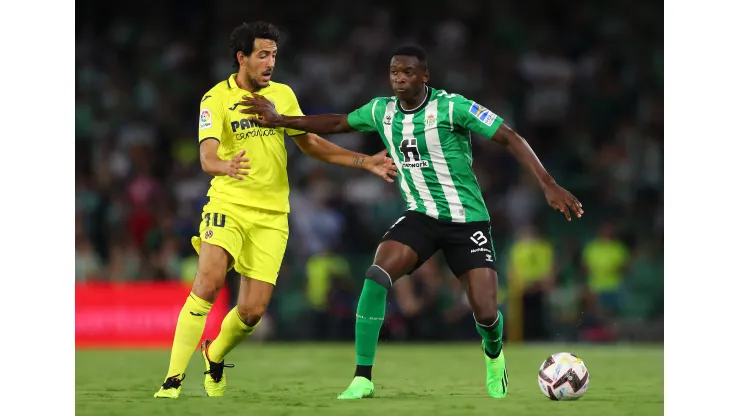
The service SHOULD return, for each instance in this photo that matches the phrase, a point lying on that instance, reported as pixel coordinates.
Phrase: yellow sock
(233, 331)
(190, 326)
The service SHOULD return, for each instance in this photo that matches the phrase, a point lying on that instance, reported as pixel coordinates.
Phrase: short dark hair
(243, 36)
(412, 50)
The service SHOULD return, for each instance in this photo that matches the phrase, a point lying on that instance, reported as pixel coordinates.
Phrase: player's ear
(241, 57)
(426, 76)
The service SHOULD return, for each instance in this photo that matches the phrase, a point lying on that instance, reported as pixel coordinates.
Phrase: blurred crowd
(582, 83)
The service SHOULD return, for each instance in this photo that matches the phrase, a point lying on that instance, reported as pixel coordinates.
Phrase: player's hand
(266, 114)
(381, 165)
(563, 201)
(238, 166)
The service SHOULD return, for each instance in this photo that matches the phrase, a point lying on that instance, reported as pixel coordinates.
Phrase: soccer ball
(563, 376)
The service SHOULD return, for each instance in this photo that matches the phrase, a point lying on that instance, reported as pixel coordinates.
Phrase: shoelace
(173, 382)
(217, 370)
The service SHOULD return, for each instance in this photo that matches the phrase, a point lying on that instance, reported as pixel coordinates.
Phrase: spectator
(606, 259)
(531, 277)
(330, 295)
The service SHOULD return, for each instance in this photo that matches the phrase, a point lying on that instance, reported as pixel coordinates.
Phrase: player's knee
(251, 314)
(379, 276)
(211, 273)
(484, 307)
(207, 286)
(486, 316)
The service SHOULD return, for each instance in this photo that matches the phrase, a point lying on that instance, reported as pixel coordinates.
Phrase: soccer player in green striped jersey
(427, 133)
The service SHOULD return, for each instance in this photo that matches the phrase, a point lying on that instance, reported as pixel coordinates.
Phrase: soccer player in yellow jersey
(245, 223)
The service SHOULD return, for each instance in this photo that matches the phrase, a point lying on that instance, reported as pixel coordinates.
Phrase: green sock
(370, 315)
(492, 336)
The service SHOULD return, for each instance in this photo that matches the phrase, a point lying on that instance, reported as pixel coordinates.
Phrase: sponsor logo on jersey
(243, 124)
(416, 164)
(411, 156)
(244, 129)
(483, 114)
(480, 249)
(205, 119)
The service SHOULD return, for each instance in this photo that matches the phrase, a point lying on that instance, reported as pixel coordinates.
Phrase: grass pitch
(410, 379)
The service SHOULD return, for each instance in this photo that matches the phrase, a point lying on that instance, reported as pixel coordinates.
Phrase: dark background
(581, 80)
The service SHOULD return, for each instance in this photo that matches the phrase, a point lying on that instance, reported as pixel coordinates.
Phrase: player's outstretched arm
(326, 151)
(558, 198)
(267, 116)
(214, 165)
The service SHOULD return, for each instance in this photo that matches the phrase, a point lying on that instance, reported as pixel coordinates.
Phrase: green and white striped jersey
(431, 147)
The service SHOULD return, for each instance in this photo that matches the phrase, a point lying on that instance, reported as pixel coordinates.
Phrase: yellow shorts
(255, 238)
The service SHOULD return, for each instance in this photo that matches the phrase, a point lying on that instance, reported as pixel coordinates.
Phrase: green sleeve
(363, 118)
(469, 115)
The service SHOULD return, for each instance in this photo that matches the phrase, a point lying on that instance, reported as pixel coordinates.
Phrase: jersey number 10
(219, 220)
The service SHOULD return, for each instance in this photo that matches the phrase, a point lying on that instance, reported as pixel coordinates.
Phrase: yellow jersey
(605, 260)
(266, 186)
(531, 260)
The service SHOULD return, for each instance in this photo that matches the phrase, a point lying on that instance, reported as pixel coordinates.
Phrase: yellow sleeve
(211, 120)
(292, 109)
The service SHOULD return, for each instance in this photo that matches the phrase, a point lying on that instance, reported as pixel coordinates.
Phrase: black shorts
(466, 246)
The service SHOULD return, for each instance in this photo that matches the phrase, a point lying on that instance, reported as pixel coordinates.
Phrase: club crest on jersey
(205, 119)
(387, 120)
(431, 120)
(208, 234)
(483, 114)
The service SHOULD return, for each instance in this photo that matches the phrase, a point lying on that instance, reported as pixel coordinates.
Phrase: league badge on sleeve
(205, 119)
(483, 114)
